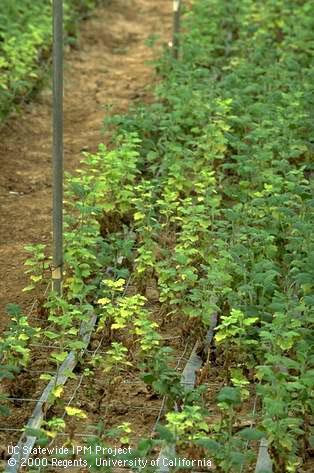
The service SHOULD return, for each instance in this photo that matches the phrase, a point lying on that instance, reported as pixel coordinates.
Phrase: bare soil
(108, 66)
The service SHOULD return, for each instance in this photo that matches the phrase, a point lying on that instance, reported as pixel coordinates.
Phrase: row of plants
(225, 211)
(97, 261)
(25, 45)
(207, 192)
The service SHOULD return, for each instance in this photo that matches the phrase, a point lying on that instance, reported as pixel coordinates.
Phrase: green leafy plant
(158, 373)
(25, 45)
(206, 195)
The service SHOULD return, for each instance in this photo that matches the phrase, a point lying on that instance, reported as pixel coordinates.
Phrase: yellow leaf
(51, 434)
(74, 411)
(23, 337)
(120, 282)
(57, 391)
(220, 336)
(138, 216)
(104, 301)
(36, 278)
(117, 325)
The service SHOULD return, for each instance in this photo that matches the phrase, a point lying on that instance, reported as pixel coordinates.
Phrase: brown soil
(106, 398)
(108, 66)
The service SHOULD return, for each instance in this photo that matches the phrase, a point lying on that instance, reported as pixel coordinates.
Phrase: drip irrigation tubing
(264, 463)
(45, 400)
(188, 379)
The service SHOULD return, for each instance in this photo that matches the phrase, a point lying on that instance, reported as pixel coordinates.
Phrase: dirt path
(108, 66)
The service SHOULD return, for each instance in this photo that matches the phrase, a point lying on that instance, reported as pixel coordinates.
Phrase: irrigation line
(45, 400)
(188, 375)
(165, 397)
(264, 463)
(69, 402)
(188, 379)
(176, 28)
(24, 399)
(181, 357)
(251, 426)
(35, 301)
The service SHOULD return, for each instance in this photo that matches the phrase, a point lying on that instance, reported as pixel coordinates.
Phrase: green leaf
(229, 395)
(60, 357)
(51, 335)
(165, 434)
(76, 345)
(45, 377)
(250, 434)
(4, 411)
(14, 310)
(208, 444)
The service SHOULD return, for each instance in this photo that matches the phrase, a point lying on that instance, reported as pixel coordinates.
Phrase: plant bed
(202, 201)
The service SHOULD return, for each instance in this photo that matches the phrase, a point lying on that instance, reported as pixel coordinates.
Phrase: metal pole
(57, 221)
(176, 27)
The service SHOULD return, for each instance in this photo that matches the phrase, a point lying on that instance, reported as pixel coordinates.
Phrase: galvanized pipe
(57, 220)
